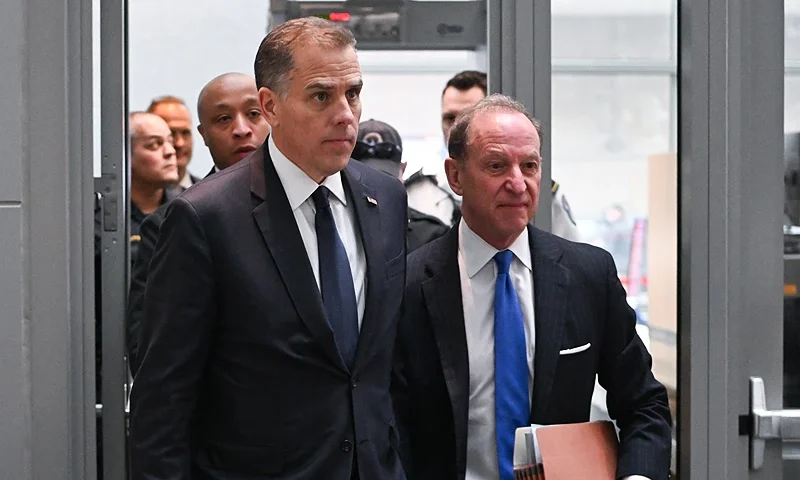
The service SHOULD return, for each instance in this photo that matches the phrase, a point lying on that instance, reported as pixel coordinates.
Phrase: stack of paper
(527, 457)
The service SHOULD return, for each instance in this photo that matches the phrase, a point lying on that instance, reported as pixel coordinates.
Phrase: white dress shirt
(478, 273)
(299, 187)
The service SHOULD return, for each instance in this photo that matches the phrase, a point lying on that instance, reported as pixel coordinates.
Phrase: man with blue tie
(505, 325)
(270, 308)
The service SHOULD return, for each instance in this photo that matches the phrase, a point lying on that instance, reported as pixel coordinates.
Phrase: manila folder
(578, 451)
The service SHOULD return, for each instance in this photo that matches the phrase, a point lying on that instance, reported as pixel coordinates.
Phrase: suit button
(347, 445)
(354, 381)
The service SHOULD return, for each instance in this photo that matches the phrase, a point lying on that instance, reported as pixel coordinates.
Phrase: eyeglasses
(384, 150)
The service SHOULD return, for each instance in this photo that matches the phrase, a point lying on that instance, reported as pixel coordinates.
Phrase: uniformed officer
(563, 222)
(379, 146)
(154, 170)
(428, 189)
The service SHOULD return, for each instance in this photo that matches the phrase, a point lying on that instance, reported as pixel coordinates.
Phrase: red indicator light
(339, 16)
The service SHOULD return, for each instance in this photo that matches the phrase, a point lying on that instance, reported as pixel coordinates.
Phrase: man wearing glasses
(380, 147)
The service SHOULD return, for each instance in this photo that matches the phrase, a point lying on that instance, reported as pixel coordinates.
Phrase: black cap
(387, 157)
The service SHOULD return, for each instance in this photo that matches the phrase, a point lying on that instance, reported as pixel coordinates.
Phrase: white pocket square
(570, 351)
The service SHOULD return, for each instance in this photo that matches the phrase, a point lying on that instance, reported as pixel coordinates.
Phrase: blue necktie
(511, 408)
(336, 280)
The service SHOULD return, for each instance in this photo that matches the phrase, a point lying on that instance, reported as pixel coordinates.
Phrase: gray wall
(46, 406)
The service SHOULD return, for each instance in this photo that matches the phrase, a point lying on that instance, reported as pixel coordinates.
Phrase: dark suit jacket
(240, 376)
(578, 299)
(148, 236)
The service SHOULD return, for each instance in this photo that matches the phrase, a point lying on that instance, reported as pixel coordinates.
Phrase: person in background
(380, 146)
(428, 189)
(153, 176)
(154, 170)
(506, 325)
(233, 126)
(175, 112)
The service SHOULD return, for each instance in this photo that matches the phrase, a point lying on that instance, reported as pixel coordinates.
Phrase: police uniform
(422, 229)
(380, 147)
(431, 194)
(562, 220)
(137, 217)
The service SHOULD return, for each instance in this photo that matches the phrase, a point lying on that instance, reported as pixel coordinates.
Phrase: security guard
(563, 223)
(428, 189)
(430, 193)
(379, 146)
(154, 170)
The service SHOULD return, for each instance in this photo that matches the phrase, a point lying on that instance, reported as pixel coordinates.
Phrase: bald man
(232, 126)
(231, 122)
(153, 170)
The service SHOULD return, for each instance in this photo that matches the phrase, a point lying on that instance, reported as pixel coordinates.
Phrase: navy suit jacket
(239, 374)
(148, 236)
(578, 299)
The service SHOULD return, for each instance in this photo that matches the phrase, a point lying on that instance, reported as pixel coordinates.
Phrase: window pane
(791, 109)
(604, 128)
(792, 20)
(613, 155)
(612, 30)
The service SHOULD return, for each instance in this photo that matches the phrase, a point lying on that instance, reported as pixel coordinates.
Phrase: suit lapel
(442, 292)
(369, 224)
(278, 227)
(550, 285)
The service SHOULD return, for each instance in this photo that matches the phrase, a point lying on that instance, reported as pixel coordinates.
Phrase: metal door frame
(115, 248)
(731, 200)
(519, 61)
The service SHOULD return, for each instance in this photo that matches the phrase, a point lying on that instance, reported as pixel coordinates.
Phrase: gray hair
(460, 137)
(275, 61)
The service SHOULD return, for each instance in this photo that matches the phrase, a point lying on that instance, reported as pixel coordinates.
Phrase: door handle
(768, 424)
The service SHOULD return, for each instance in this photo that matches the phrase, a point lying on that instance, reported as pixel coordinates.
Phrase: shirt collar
(186, 181)
(297, 184)
(478, 253)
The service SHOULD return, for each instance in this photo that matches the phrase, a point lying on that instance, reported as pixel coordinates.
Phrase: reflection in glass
(791, 253)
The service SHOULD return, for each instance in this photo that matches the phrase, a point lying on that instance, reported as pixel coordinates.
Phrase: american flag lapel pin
(372, 200)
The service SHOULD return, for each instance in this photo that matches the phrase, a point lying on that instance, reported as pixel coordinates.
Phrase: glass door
(731, 261)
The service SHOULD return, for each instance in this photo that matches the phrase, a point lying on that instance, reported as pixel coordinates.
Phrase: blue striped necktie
(512, 405)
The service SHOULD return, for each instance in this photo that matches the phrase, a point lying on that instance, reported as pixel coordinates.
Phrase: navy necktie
(335, 278)
(512, 405)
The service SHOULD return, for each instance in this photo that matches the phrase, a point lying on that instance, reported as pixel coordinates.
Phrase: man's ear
(452, 169)
(269, 105)
(202, 132)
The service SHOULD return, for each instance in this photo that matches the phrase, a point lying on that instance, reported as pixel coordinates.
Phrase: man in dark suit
(270, 316)
(232, 126)
(506, 325)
